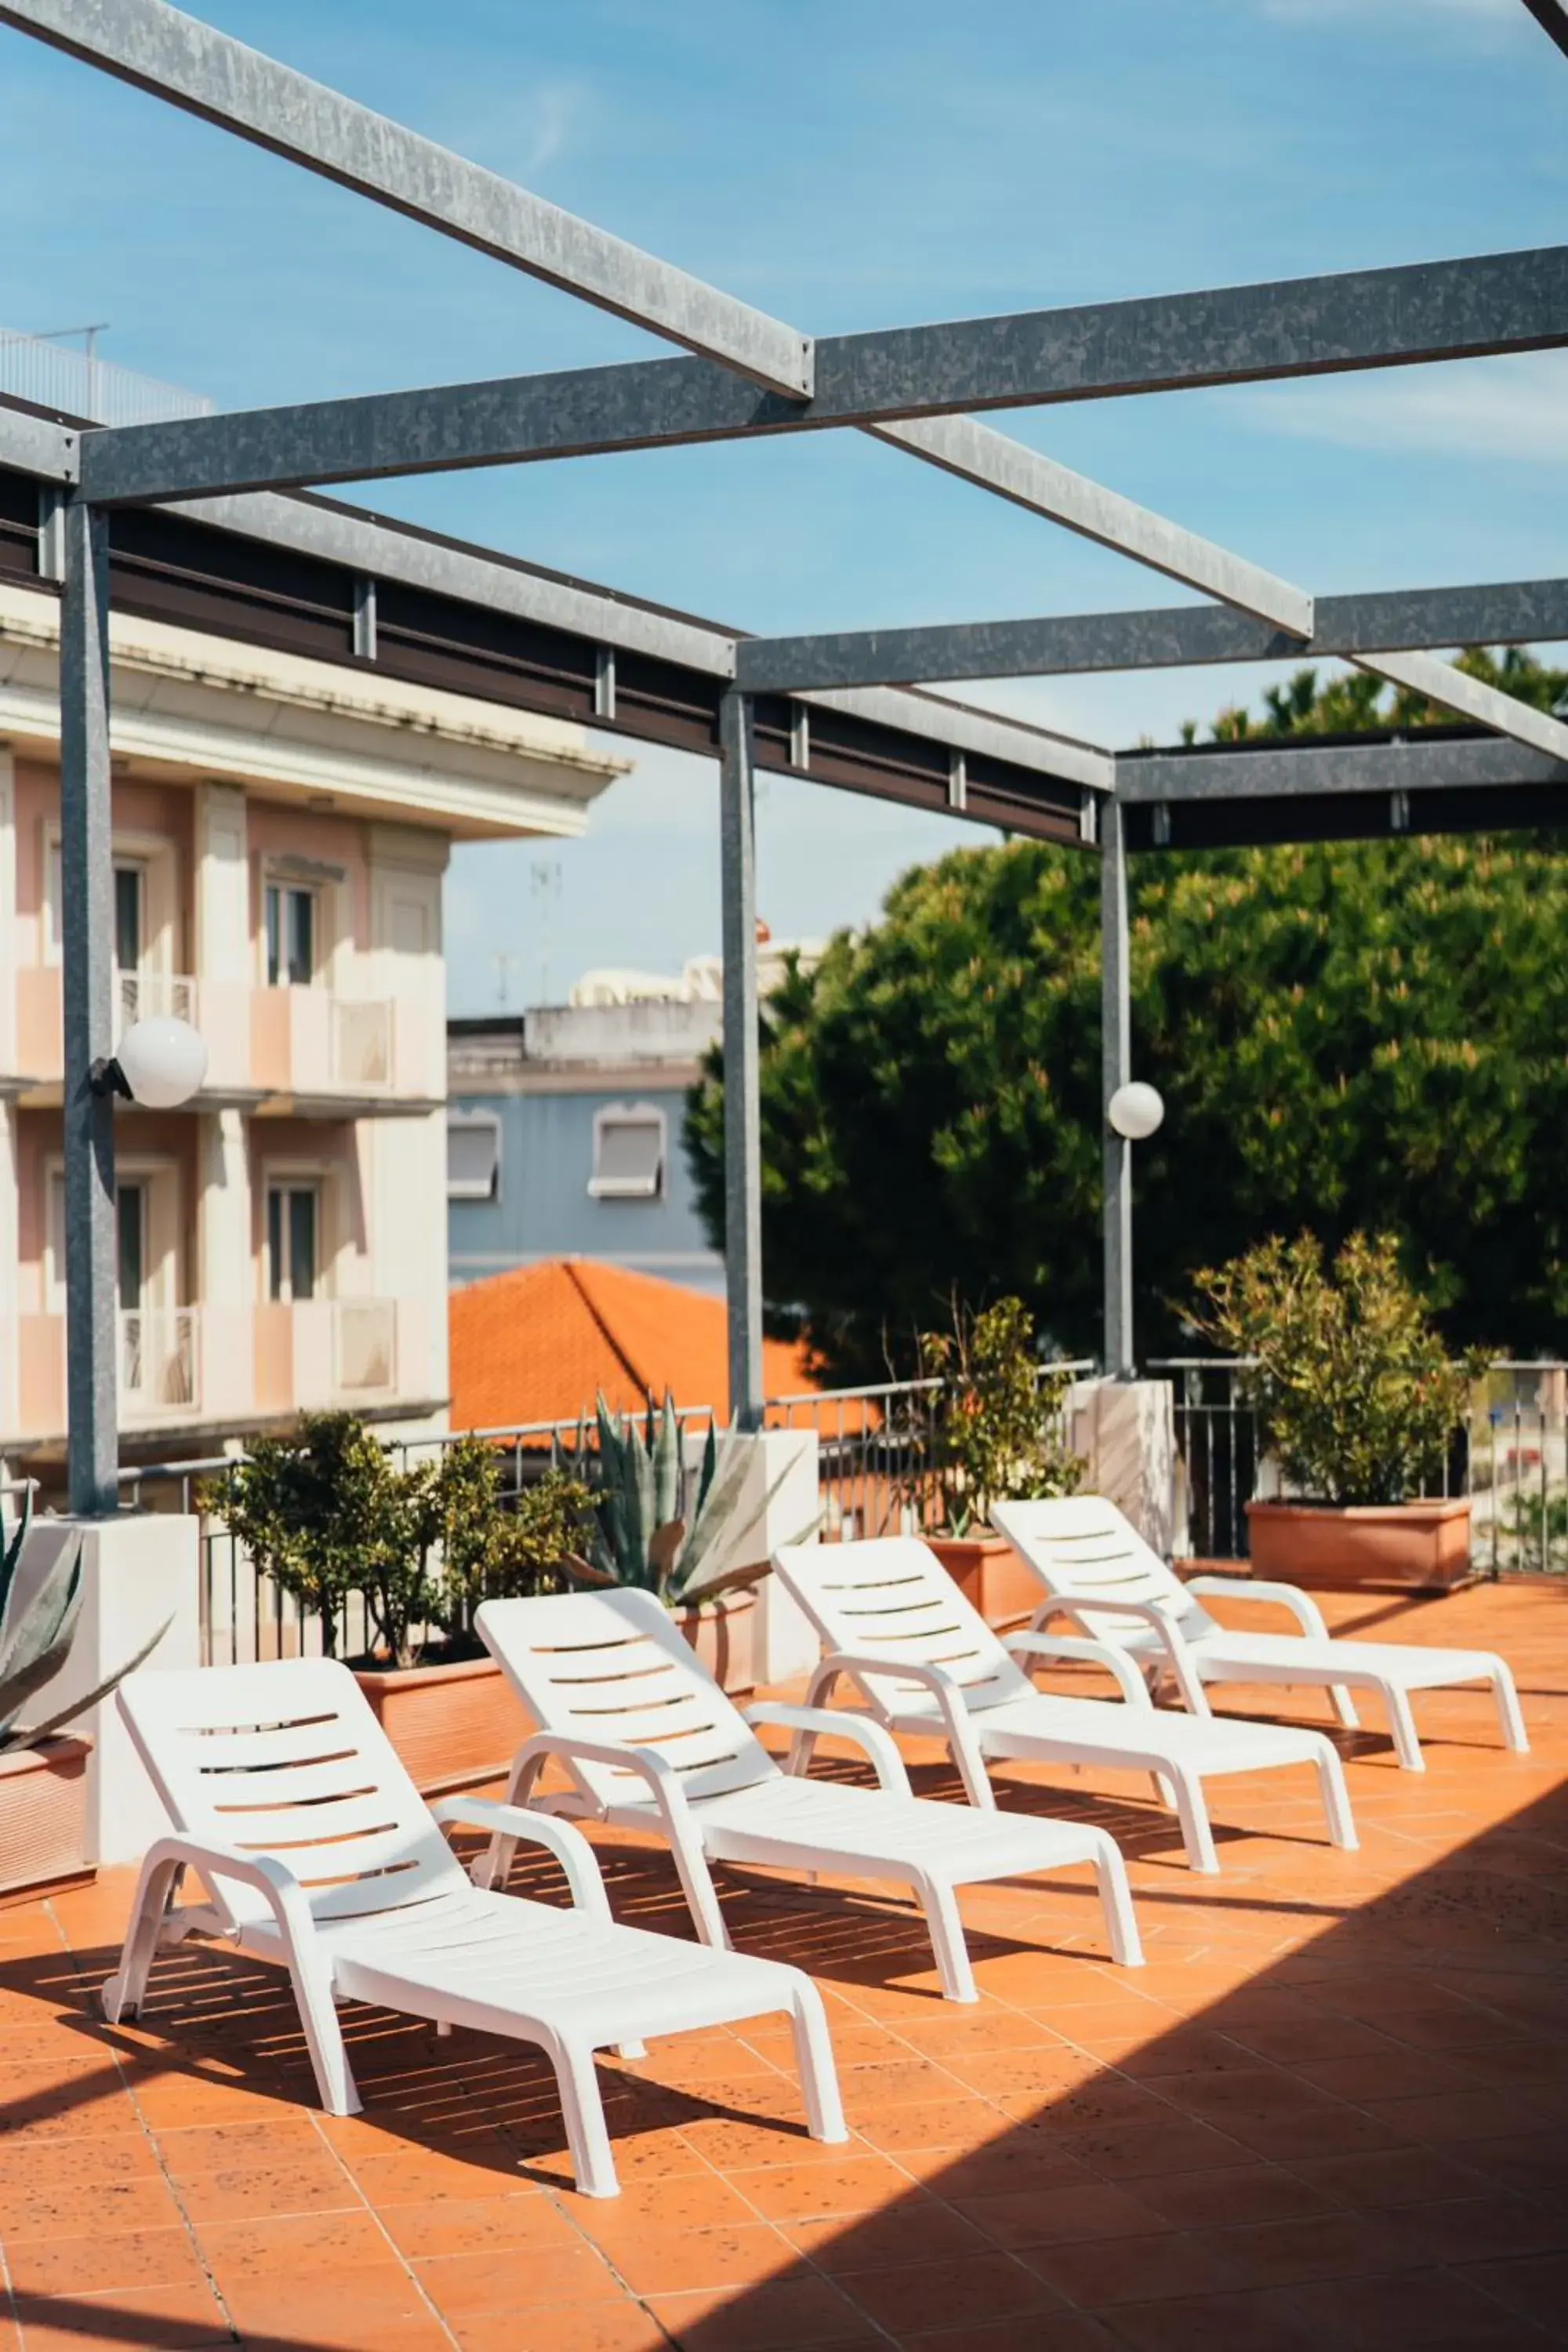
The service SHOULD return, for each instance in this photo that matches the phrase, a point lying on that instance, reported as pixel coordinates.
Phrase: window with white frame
(629, 1152)
(293, 1240)
(473, 1155)
(292, 920)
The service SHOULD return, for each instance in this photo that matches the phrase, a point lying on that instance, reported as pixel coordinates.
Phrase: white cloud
(1514, 408)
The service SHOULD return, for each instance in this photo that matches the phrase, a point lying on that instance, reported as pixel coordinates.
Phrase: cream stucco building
(281, 828)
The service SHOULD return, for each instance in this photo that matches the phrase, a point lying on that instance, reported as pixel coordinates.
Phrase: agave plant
(35, 1636)
(657, 1523)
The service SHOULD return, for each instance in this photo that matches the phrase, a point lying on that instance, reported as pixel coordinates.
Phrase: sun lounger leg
(1336, 1800)
(819, 2074)
(1116, 1902)
(583, 2110)
(937, 1900)
(122, 1994)
(696, 1885)
(1402, 1723)
(323, 2035)
(1193, 1813)
(1508, 1716)
(1344, 1707)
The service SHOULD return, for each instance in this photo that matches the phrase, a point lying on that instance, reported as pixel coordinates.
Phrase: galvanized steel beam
(976, 453)
(1551, 16)
(204, 71)
(1310, 326)
(742, 1068)
(1116, 1069)
(1272, 771)
(87, 928)
(1441, 682)
(1163, 636)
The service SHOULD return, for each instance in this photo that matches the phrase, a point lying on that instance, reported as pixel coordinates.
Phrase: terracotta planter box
(724, 1636)
(1417, 1547)
(455, 1727)
(43, 1816)
(991, 1577)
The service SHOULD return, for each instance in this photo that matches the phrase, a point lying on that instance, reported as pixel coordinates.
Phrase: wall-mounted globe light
(161, 1064)
(1135, 1111)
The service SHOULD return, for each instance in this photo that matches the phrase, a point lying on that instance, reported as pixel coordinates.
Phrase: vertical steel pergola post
(742, 1107)
(1116, 1017)
(87, 892)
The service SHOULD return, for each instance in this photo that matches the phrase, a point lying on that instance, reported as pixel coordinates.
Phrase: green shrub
(993, 1433)
(323, 1508)
(1353, 1389)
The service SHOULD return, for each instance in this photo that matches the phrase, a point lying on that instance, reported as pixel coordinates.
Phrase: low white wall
(137, 1571)
(1126, 1432)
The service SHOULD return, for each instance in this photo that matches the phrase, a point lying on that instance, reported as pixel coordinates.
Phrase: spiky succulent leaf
(665, 1466)
(11, 1553)
(37, 1645)
(708, 1563)
(51, 1723)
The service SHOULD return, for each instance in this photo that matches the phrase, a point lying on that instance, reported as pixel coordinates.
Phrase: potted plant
(325, 1511)
(42, 1773)
(677, 1528)
(993, 1433)
(1358, 1403)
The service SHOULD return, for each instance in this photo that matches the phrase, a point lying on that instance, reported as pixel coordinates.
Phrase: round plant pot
(1413, 1547)
(724, 1636)
(455, 1727)
(43, 1817)
(991, 1576)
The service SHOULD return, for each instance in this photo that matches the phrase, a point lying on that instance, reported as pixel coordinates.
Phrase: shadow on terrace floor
(1334, 2108)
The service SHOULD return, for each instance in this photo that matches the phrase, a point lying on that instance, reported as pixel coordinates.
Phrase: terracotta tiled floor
(1332, 2109)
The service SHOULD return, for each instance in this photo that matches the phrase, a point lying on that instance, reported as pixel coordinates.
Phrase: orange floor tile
(1332, 2110)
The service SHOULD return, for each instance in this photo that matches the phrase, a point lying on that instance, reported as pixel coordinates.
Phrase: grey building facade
(563, 1139)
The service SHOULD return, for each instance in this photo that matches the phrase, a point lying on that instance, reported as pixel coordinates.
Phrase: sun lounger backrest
(287, 1759)
(891, 1596)
(1083, 1543)
(615, 1666)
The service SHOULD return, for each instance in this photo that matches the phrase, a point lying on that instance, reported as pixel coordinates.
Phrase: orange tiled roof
(539, 1344)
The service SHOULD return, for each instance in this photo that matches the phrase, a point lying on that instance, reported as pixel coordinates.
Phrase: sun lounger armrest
(811, 1723)
(1302, 1606)
(1027, 1646)
(211, 1860)
(1155, 1614)
(957, 1723)
(663, 1785)
(570, 1847)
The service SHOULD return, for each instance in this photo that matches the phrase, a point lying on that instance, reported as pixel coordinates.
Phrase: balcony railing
(305, 1042)
(187, 1366)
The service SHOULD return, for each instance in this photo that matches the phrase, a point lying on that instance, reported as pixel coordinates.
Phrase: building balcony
(274, 1049)
(224, 1368)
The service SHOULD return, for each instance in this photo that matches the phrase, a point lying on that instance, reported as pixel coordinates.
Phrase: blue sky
(858, 164)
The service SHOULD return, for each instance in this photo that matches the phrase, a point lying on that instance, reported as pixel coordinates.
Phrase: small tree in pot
(1358, 1401)
(326, 1512)
(992, 1432)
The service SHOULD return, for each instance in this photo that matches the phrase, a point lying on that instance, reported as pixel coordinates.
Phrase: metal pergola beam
(1263, 770)
(1551, 16)
(977, 453)
(1308, 326)
(1163, 636)
(173, 56)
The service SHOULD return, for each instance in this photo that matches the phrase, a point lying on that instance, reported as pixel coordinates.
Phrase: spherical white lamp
(1135, 1111)
(162, 1063)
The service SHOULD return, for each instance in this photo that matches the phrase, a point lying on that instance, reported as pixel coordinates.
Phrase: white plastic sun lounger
(1099, 1573)
(318, 1853)
(893, 1622)
(651, 1742)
